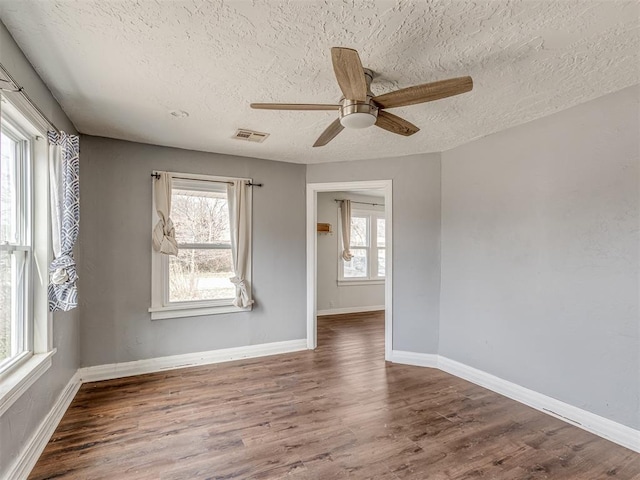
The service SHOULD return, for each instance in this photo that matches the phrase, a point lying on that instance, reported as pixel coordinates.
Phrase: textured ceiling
(118, 68)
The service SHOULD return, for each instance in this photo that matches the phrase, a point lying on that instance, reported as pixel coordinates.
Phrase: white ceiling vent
(250, 135)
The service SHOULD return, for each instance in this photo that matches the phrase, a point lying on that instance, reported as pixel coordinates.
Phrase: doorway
(383, 189)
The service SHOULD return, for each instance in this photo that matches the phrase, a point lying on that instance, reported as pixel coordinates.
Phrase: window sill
(17, 381)
(349, 283)
(163, 313)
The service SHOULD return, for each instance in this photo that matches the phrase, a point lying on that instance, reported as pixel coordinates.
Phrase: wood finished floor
(339, 412)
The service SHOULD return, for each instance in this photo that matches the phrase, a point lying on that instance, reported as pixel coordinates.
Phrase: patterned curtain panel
(64, 170)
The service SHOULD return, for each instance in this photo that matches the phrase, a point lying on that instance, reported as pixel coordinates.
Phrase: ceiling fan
(360, 109)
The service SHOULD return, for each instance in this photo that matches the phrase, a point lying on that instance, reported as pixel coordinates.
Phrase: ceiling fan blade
(329, 134)
(395, 124)
(349, 73)
(426, 92)
(294, 106)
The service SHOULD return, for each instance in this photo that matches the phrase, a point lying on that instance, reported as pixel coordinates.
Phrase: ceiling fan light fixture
(354, 114)
(358, 120)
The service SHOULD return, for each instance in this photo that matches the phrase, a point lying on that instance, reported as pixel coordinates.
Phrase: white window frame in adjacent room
(371, 248)
(17, 374)
(161, 306)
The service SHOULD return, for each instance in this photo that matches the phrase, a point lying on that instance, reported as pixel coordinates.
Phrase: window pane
(6, 307)
(357, 266)
(200, 275)
(11, 296)
(359, 232)
(8, 191)
(200, 217)
(381, 257)
(380, 232)
(12, 263)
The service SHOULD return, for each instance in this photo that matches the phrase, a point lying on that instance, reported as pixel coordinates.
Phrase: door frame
(312, 253)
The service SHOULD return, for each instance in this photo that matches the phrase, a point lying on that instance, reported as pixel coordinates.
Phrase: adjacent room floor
(338, 412)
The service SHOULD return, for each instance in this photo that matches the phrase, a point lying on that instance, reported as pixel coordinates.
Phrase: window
(15, 245)
(25, 323)
(25, 252)
(197, 280)
(202, 269)
(367, 248)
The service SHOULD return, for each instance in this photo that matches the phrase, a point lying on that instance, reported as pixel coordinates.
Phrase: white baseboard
(151, 365)
(339, 311)
(413, 358)
(35, 446)
(603, 427)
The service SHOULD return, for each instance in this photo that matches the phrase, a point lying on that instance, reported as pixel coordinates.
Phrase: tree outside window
(203, 267)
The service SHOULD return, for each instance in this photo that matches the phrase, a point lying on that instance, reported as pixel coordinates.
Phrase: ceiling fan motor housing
(354, 114)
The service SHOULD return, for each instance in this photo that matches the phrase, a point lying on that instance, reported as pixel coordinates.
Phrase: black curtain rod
(18, 89)
(248, 184)
(362, 203)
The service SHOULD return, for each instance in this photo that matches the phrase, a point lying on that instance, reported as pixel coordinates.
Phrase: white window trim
(159, 309)
(372, 250)
(15, 382)
(27, 368)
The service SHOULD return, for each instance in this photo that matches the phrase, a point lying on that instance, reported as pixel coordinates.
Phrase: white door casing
(312, 253)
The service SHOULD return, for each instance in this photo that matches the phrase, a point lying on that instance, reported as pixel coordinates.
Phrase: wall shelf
(324, 228)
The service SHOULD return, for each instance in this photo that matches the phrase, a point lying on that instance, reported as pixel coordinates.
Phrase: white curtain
(64, 186)
(345, 219)
(240, 223)
(164, 233)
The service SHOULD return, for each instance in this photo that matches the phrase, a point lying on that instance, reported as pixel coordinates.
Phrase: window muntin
(367, 248)
(15, 245)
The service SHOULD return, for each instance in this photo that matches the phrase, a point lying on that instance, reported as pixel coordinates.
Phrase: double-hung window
(25, 323)
(197, 280)
(367, 248)
(16, 255)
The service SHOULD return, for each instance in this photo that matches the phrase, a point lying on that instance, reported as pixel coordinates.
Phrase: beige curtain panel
(240, 223)
(164, 233)
(345, 219)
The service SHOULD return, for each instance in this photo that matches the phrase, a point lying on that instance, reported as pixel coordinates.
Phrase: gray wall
(330, 295)
(19, 423)
(540, 238)
(416, 240)
(115, 248)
